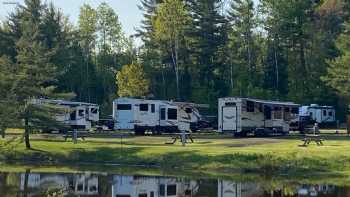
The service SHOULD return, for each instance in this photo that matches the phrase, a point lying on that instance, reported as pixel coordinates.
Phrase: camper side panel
(252, 115)
(229, 115)
(123, 114)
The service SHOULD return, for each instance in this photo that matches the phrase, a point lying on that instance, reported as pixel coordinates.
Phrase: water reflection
(46, 184)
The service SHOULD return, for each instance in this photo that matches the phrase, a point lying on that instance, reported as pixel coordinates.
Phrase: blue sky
(127, 10)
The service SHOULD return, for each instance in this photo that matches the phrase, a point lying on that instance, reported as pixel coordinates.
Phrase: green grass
(209, 154)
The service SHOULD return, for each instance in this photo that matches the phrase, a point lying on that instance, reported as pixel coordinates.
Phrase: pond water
(28, 184)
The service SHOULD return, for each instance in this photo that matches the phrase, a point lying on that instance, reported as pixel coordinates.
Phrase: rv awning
(291, 104)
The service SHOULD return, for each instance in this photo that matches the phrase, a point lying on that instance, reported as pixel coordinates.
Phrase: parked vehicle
(158, 116)
(76, 115)
(242, 116)
(323, 115)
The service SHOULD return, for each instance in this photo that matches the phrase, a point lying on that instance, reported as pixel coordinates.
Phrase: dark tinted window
(162, 114)
(250, 106)
(153, 108)
(295, 110)
(123, 107)
(171, 190)
(122, 195)
(188, 110)
(81, 112)
(73, 116)
(94, 110)
(267, 112)
(162, 189)
(230, 104)
(286, 109)
(152, 194)
(324, 112)
(142, 195)
(172, 114)
(143, 107)
(330, 113)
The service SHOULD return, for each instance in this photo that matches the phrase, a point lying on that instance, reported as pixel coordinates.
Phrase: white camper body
(245, 115)
(77, 115)
(319, 114)
(154, 115)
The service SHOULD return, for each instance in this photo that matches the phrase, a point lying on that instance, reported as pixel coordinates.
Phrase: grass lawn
(209, 154)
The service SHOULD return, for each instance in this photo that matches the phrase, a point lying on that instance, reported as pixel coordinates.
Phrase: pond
(34, 184)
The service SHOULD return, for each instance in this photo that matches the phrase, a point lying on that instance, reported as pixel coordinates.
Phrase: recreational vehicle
(323, 115)
(157, 116)
(77, 115)
(259, 117)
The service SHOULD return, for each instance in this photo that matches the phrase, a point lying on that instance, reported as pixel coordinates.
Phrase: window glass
(123, 107)
(230, 104)
(162, 114)
(250, 106)
(143, 107)
(162, 189)
(330, 113)
(188, 110)
(267, 112)
(286, 109)
(152, 194)
(122, 195)
(171, 190)
(73, 115)
(81, 112)
(295, 110)
(142, 195)
(172, 114)
(153, 108)
(94, 110)
(277, 113)
(324, 112)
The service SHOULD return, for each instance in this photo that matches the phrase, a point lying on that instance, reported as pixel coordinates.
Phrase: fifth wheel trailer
(242, 116)
(158, 116)
(77, 115)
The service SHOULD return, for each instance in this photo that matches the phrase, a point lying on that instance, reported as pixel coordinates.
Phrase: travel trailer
(158, 116)
(77, 115)
(242, 116)
(323, 115)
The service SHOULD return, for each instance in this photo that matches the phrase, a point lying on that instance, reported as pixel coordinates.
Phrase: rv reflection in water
(137, 186)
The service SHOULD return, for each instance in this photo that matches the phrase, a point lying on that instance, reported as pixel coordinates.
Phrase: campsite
(174, 98)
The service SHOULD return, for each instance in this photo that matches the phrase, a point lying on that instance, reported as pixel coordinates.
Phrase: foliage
(132, 82)
(338, 76)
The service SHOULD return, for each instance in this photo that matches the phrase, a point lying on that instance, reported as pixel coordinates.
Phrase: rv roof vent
(314, 105)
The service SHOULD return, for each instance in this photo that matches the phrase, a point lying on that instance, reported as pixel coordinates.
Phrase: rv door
(229, 118)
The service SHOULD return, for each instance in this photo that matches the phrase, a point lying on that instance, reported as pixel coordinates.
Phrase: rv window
(172, 114)
(87, 111)
(324, 112)
(162, 114)
(267, 112)
(153, 108)
(152, 194)
(143, 107)
(171, 190)
(330, 113)
(295, 110)
(142, 195)
(230, 104)
(188, 110)
(162, 189)
(277, 111)
(260, 107)
(123, 107)
(287, 109)
(73, 115)
(81, 112)
(250, 106)
(94, 110)
(122, 195)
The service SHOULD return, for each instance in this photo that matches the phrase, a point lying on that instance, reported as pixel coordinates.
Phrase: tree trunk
(174, 56)
(2, 132)
(26, 133)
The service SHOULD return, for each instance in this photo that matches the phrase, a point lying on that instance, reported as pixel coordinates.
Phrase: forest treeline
(191, 50)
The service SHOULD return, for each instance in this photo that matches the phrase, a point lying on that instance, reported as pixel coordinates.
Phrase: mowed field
(207, 153)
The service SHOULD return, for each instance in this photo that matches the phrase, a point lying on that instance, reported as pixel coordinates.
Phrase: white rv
(323, 115)
(259, 117)
(157, 116)
(77, 115)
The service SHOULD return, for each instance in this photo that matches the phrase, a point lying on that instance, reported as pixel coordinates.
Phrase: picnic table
(80, 134)
(313, 138)
(178, 136)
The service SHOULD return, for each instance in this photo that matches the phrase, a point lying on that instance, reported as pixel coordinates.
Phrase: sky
(129, 14)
